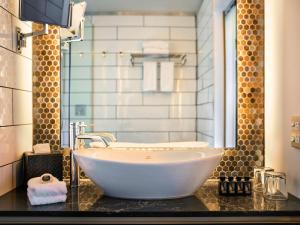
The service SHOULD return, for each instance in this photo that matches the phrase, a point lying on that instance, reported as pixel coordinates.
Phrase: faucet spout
(77, 137)
(93, 138)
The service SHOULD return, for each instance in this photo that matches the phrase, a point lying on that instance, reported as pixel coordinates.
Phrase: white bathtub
(148, 174)
(173, 145)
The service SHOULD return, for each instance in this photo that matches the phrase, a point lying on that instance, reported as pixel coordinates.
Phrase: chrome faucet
(77, 137)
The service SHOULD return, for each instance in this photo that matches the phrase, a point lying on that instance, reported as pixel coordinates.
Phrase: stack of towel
(43, 191)
(150, 68)
(156, 47)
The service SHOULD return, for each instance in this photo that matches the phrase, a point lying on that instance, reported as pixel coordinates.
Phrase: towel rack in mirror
(139, 58)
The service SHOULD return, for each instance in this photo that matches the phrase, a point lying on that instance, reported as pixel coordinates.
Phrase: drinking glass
(259, 174)
(275, 186)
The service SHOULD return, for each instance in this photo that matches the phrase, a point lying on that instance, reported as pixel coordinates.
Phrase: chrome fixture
(21, 37)
(108, 137)
(75, 32)
(77, 137)
(138, 58)
(69, 36)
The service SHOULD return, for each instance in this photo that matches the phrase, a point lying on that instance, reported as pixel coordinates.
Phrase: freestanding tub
(173, 145)
(148, 174)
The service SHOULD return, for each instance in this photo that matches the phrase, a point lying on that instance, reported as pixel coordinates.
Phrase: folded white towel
(37, 200)
(167, 76)
(40, 189)
(41, 148)
(150, 76)
(156, 51)
(156, 44)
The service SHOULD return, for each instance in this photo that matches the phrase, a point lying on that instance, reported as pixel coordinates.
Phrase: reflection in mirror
(167, 95)
(225, 73)
(230, 76)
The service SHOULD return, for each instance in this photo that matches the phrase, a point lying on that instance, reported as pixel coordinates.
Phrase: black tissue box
(36, 164)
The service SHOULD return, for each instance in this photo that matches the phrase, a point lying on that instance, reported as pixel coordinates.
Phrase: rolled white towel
(46, 189)
(37, 200)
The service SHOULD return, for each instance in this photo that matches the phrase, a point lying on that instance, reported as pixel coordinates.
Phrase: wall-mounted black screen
(53, 12)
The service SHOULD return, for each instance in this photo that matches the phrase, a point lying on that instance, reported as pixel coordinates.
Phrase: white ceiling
(143, 6)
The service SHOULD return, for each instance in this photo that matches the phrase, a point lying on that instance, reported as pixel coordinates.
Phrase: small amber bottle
(247, 186)
(231, 188)
(223, 185)
(239, 186)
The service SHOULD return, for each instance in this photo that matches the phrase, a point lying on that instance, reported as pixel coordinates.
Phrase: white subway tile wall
(15, 97)
(6, 115)
(151, 137)
(183, 34)
(205, 79)
(22, 107)
(143, 33)
(101, 33)
(169, 21)
(104, 21)
(6, 174)
(182, 136)
(111, 89)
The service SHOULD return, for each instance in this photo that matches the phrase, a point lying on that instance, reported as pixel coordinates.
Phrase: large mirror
(150, 76)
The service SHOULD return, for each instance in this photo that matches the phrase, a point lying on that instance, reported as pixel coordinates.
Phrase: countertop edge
(149, 214)
(150, 220)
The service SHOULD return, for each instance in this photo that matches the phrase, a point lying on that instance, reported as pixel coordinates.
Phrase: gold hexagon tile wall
(46, 87)
(250, 45)
(250, 74)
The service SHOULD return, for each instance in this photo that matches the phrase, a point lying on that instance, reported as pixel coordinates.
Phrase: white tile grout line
(11, 163)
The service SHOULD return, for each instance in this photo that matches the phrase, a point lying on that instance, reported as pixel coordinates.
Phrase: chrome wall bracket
(21, 37)
(76, 38)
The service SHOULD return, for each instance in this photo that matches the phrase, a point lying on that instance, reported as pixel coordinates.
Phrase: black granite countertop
(89, 201)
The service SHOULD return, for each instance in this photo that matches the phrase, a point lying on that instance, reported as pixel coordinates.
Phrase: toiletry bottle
(239, 186)
(247, 186)
(231, 186)
(223, 185)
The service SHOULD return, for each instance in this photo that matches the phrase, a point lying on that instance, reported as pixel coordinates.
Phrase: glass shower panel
(65, 96)
(76, 82)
